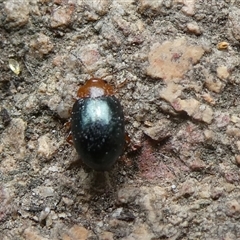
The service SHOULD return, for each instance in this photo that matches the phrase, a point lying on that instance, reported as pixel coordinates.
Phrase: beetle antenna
(83, 64)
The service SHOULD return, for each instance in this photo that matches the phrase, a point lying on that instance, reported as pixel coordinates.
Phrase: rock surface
(175, 67)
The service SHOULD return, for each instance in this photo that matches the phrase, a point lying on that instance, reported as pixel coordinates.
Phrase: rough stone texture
(171, 60)
(76, 233)
(153, 6)
(61, 16)
(175, 67)
(234, 18)
(41, 45)
(13, 138)
(160, 130)
(31, 234)
(46, 146)
(189, 6)
(194, 28)
(17, 12)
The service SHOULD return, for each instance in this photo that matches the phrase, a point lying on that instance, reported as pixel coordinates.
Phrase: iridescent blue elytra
(97, 125)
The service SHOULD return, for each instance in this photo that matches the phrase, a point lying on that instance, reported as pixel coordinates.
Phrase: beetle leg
(132, 146)
(127, 140)
(69, 138)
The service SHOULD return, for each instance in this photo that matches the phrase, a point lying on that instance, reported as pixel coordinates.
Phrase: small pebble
(237, 158)
(193, 28)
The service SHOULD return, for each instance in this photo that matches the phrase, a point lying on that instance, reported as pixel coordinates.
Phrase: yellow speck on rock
(14, 66)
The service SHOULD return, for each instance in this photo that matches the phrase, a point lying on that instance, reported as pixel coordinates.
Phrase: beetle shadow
(96, 182)
(101, 183)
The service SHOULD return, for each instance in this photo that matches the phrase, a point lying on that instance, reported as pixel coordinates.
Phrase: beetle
(97, 125)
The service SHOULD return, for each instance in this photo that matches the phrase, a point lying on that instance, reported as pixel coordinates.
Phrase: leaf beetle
(97, 125)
